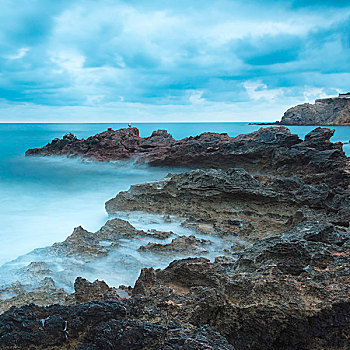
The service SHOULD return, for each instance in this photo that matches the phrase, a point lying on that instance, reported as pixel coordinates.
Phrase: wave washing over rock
(261, 242)
(272, 151)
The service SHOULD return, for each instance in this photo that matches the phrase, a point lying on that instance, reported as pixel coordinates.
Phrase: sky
(160, 60)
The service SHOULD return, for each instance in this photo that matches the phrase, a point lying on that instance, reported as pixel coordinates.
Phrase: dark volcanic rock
(46, 293)
(98, 290)
(286, 292)
(275, 291)
(98, 325)
(273, 151)
(308, 244)
(273, 297)
(182, 244)
(232, 202)
(326, 111)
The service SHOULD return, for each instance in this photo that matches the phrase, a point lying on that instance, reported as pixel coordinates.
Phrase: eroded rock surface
(99, 325)
(232, 202)
(46, 293)
(89, 245)
(183, 244)
(273, 151)
(290, 291)
(285, 285)
(325, 111)
(282, 293)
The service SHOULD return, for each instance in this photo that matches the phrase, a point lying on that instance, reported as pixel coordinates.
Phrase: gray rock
(327, 111)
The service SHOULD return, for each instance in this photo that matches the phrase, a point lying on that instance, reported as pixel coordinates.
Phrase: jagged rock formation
(325, 111)
(285, 286)
(272, 151)
(232, 202)
(46, 293)
(88, 245)
(284, 292)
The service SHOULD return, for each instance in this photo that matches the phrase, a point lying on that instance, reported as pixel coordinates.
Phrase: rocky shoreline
(270, 151)
(274, 211)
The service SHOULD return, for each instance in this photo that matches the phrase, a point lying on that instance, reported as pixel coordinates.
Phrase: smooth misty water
(43, 199)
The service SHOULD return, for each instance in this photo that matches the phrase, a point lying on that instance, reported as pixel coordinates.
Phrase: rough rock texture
(181, 244)
(46, 293)
(285, 286)
(285, 292)
(98, 325)
(98, 290)
(87, 245)
(232, 202)
(326, 111)
(273, 151)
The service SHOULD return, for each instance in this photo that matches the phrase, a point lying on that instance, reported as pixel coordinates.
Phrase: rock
(87, 245)
(326, 111)
(267, 299)
(285, 292)
(160, 234)
(98, 290)
(182, 244)
(308, 244)
(44, 294)
(98, 325)
(232, 202)
(272, 151)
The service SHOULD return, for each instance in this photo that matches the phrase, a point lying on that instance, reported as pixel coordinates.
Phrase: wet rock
(273, 151)
(46, 293)
(160, 234)
(268, 298)
(182, 244)
(285, 292)
(87, 245)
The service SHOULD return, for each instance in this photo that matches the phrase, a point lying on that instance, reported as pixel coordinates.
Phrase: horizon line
(143, 122)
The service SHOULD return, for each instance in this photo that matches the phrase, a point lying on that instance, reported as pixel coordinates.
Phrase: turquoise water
(43, 199)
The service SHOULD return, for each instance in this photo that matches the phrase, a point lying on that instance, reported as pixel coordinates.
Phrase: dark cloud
(88, 53)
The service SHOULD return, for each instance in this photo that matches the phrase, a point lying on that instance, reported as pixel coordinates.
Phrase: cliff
(326, 111)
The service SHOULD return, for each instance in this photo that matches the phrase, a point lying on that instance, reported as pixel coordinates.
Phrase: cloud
(169, 56)
(19, 54)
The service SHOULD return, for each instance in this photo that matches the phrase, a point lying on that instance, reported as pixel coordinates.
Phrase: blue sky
(166, 60)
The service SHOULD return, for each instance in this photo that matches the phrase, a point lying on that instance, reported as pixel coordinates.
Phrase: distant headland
(325, 111)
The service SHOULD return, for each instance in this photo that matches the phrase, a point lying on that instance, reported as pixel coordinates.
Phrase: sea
(43, 198)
